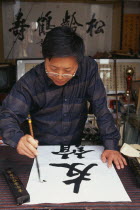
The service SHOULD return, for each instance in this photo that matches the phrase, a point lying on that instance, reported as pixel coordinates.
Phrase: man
(55, 93)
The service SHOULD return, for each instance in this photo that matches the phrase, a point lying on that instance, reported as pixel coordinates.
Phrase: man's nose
(60, 76)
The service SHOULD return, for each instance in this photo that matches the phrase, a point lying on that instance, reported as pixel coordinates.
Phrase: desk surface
(22, 166)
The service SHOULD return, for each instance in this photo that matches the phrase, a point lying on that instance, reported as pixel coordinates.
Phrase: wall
(131, 27)
(132, 7)
(1, 36)
(116, 26)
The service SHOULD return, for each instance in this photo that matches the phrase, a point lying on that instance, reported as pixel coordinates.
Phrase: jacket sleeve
(98, 101)
(14, 111)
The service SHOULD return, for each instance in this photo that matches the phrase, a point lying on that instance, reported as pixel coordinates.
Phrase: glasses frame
(63, 75)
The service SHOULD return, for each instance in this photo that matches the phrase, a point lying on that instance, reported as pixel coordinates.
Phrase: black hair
(62, 41)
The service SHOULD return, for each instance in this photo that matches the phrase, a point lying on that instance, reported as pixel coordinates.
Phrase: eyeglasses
(53, 74)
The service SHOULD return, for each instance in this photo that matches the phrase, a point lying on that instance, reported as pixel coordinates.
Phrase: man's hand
(113, 156)
(27, 145)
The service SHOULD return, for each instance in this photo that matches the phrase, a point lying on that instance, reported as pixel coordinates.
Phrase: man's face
(66, 67)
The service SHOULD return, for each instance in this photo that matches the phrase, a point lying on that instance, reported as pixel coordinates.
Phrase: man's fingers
(37, 142)
(31, 144)
(23, 150)
(124, 161)
(118, 161)
(109, 162)
(121, 163)
(115, 157)
(118, 164)
(103, 158)
(32, 141)
(30, 148)
(27, 146)
(27, 152)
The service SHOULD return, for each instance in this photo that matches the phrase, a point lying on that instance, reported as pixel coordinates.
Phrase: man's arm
(108, 130)
(15, 109)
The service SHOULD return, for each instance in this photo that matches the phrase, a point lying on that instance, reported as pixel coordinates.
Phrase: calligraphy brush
(32, 134)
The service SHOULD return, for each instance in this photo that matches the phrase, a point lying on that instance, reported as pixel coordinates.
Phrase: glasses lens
(52, 74)
(67, 75)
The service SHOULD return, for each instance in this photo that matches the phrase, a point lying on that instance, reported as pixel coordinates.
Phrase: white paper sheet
(99, 183)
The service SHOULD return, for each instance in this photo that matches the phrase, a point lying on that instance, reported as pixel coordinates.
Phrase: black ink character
(70, 20)
(81, 151)
(19, 26)
(73, 171)
(98, 25)
(44, 23)
(66, 19)
(64, 151)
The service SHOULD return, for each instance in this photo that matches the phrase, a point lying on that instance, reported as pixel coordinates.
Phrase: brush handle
(32, 134)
